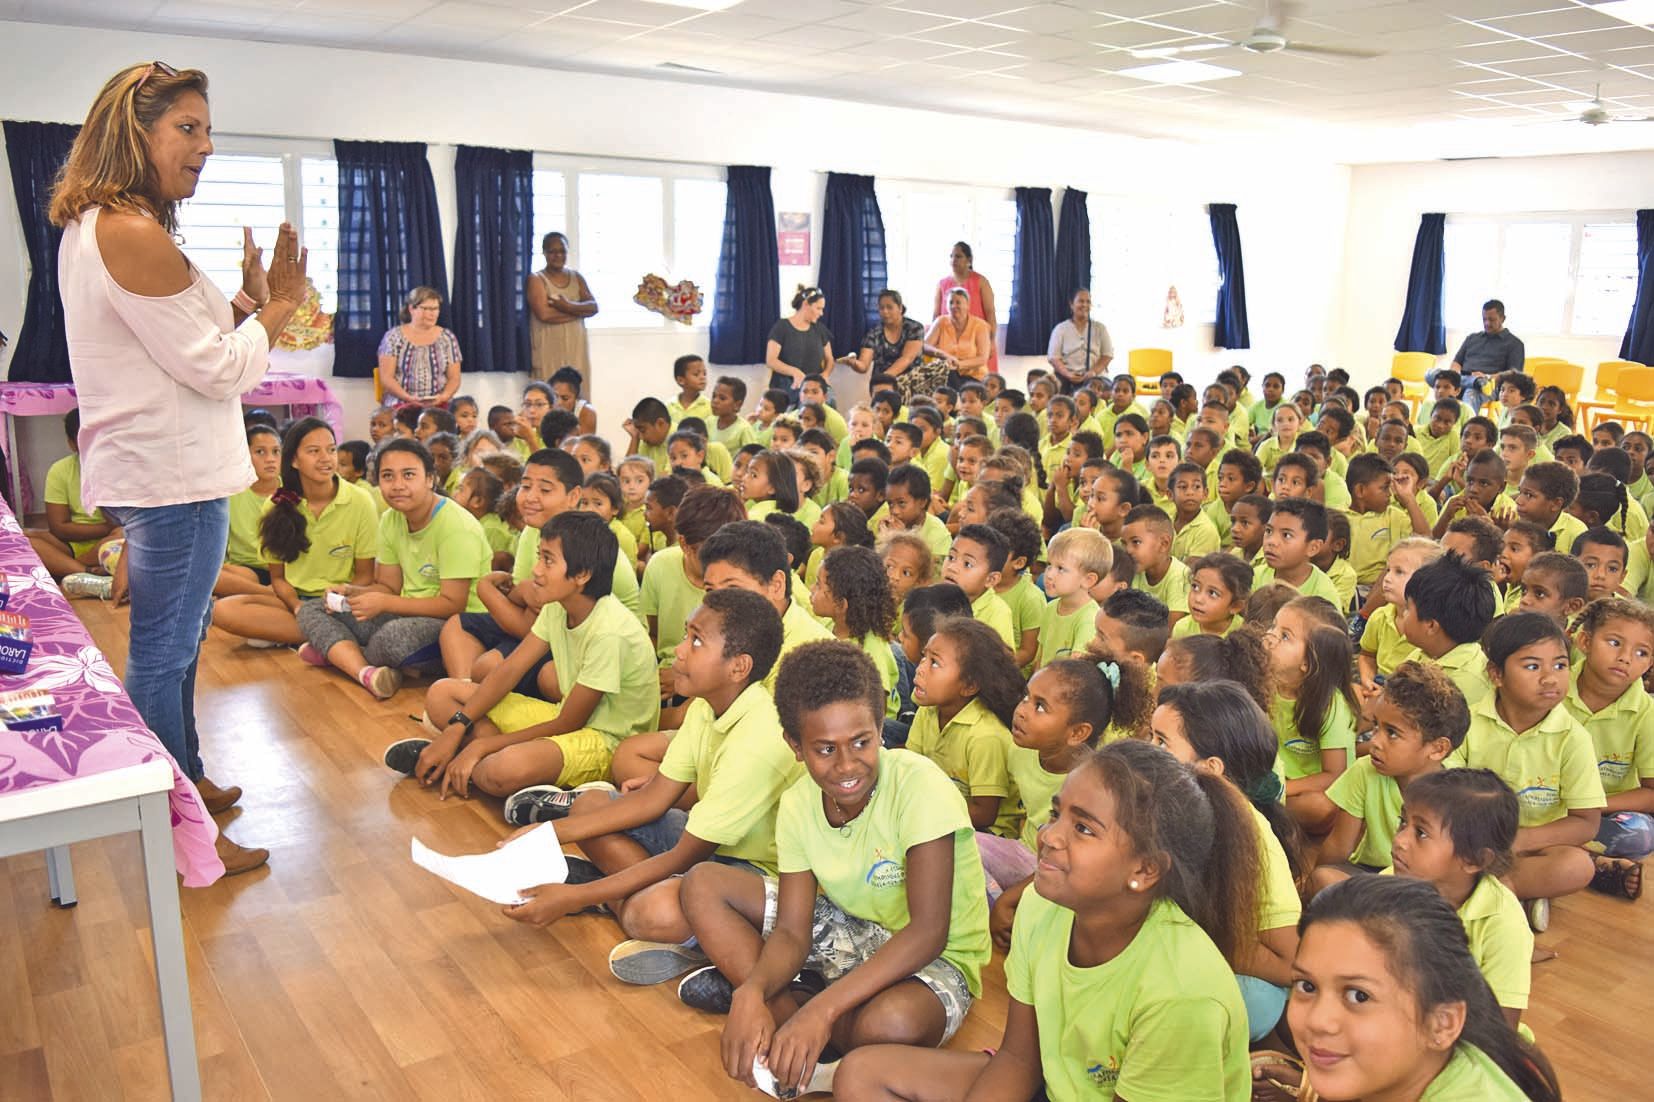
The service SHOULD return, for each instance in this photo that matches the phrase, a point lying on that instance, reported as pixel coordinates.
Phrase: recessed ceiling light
(1640, 12)
(1178, 72)
(699, 5)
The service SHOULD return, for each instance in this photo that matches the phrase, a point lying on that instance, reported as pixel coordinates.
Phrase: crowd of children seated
(1195, 704)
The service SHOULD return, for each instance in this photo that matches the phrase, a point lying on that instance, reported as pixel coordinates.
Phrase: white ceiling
(1457, 77)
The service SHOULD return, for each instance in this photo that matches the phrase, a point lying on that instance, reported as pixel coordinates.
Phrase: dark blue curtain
(1073, 249)
(1422, 329)
(1230, 330)
(853, 270)
(1638, 345)
(493, 256)
(390, 241)
(1035, 301)
(749, 272)
(37, 151)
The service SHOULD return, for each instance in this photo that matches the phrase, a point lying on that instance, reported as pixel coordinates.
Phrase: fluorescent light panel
(1178, 72)
(1639, 12)
(699, 5)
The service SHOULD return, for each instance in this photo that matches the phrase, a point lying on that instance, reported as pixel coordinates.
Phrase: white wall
(1291, 208)
(1385, 202)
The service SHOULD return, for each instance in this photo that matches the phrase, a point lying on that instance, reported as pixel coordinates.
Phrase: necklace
(849, 823)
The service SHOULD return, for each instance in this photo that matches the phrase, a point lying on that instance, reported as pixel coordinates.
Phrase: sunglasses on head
(155, 67)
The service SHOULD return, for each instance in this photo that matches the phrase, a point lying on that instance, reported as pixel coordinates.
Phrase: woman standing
(419, 360)
(964, 274)
(559, 302)
(800, 345)
(963, 339)
(160, 361)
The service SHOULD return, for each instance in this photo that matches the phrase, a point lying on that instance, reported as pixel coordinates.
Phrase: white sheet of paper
(500, 874)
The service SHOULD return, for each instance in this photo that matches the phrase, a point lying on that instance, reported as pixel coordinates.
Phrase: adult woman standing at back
(160, 361)
(964, 274)
(559, 302)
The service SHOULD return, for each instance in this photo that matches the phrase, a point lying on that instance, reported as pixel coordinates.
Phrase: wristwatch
(462, 719)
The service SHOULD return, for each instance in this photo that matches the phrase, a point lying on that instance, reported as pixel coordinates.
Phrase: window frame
(903, 191)
(1576, 220)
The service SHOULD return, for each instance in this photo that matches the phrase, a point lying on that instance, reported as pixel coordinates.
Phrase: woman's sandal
(1618, 876)
(1267, 1061)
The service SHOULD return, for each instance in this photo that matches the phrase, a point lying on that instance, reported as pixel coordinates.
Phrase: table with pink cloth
(102, 730)
(304, 395)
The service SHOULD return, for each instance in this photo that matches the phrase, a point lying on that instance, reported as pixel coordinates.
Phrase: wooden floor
(342, 971)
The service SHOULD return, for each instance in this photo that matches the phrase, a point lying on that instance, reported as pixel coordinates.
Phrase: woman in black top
(800, 345)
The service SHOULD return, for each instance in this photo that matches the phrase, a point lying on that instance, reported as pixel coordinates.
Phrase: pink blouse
(158, 381)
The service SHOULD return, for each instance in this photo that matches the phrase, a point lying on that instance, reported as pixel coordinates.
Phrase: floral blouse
(886, 352)
(422, 369)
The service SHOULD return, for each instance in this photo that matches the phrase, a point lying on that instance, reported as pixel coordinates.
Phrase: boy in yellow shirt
(1078, 559)
(974, 564)
(1379, 519)
(1449, 604)
(689, 372)
(1147, 538)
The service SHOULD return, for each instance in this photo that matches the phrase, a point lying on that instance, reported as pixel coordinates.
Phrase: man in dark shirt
(1485, 354)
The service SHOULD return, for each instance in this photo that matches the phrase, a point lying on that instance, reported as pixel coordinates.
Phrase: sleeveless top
(158, 381)
(973, 286)
(555, 346)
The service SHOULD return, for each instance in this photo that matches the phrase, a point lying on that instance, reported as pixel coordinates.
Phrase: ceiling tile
(1558, 21)
(959, 9)
(1049, 19)
(971, 35)
(820, 37)
(889, 21)
(1131, 35)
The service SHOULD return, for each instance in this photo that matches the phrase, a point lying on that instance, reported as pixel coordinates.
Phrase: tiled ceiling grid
(1471, 66)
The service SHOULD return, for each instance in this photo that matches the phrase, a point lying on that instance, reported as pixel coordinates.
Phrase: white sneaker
(100, 586)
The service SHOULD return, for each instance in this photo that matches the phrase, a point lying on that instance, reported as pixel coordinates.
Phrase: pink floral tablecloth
(101, 728)
(305, 395)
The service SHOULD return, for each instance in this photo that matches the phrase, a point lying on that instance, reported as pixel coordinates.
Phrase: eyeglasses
(155, 67)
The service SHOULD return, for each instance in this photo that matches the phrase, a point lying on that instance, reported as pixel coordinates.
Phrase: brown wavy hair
(108, 165)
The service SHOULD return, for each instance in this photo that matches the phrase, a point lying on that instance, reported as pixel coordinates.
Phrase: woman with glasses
(419, 360)
(962, 273)
(799, 344)
(160, 360)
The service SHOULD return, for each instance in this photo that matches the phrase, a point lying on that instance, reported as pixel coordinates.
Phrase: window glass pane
(550, 208)
(994, 241)
(319, 181)
(234, 191)
(1472, 268)
(1607, 283)
(935, 220)
(698, 237)
(621, 238)
(1534, 280)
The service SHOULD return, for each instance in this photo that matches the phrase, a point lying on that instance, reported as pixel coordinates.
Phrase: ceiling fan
(1267, 37)
(1595, 114)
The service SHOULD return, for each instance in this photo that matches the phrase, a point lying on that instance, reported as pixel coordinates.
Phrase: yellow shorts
(587, 754)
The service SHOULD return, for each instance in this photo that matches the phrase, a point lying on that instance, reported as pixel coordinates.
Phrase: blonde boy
(1078, 560)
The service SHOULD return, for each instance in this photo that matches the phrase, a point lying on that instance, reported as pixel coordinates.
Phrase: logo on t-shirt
(1104, 1075)
(343, 551)
(429, 570)
(1613, 770)
(1538, 795)
(885, 873)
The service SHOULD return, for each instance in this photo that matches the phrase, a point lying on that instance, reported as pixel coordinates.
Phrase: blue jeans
(173, 554)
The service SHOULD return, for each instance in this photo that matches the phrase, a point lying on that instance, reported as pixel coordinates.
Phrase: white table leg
(166, 929)
(60, 875)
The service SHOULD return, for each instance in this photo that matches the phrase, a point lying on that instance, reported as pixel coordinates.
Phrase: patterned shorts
(839, 942)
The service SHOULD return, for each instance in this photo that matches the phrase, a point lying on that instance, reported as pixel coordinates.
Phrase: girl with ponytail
(1420, 1021)
(1121, 970)
(1218, 727)
(318, 530)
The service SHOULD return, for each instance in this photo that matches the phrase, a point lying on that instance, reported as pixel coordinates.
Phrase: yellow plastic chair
(1566, 376)
(1635, 390)
(1146, 365)
(1586, 409)
(1410, 368)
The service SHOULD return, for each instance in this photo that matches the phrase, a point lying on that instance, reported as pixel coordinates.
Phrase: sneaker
(650, 962)
(262, 644)
(706, 989)
(546, 803)
(820, 1081)
(310, 656)
(88, 585)
(582, 871)
(381, 681)
(1539, 915)
(403, 754)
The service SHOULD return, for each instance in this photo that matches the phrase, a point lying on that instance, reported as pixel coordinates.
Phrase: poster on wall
(792, 238)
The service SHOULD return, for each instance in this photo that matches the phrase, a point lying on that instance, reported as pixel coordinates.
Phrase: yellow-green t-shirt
(1199, 537)
(245, 548)
(1316, 585)
(1066, 635)
(1566, 530)
(451, 545)
(993, 611)
(1300, 753)
(669, 596)
(1342, 576)
(1278, 903)
(1027, 605)
(1384, 641)
(1372, 535)
(1623, 735)
(1375, 799)
(1471, 1077)
(609, 653)
(623, 586)
(63, 488)
(624, 537)
(633, 521)
(734, 438)
(1161, 1022)
(878, 649)
(700, 407)
(1190, 626)
(1037, 786)
(1552, 767)
(1466, 666)
(346, 530)
(797, 628)
(739, 765)
(1172, 590)
(936, 537)
(1500, 940)
(862, 866)
(497, 532)
(972, 750)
